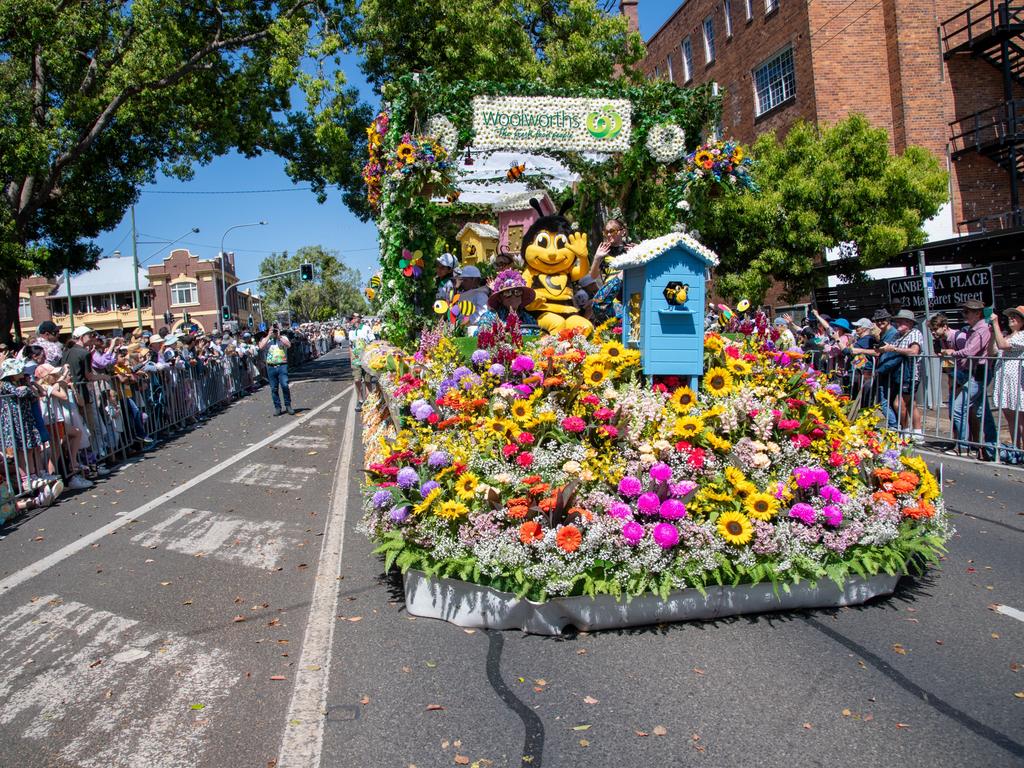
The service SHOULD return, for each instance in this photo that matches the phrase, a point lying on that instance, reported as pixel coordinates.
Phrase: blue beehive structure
(663, 303)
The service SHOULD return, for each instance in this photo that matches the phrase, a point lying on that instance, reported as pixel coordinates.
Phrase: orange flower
(910, 477)
(902, 486)
(884, 496)
(517, 501)
(547, 352)
(539, 490)
(518, 512)
(569, 538)
(531, 479)
(582, 513)
(553, 381)
(920, 511)
(883, 473)
(548, 504)
(530, 531)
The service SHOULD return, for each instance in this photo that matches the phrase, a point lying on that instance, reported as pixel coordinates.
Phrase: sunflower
(827, 399)
(688, 426)
(735, 476)
(761, 506)
(612, 350)
(466, 485)
(405, 152)
(745, 489)
(713, 342)
(735, 527)
(718, 381)
(521, 410)
(594, 373)
(737, 154)
(702, 158)
(498, 427)
(738, 366)
(683, 399)
(424, 505)
(452, 510)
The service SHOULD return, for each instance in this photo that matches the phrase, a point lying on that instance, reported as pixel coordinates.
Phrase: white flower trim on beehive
(648, 250)
(444, 130)
(520, 201)
(666, 142)
(482, 230)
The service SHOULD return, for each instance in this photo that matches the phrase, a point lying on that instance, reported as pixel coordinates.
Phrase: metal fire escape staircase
(994, 32)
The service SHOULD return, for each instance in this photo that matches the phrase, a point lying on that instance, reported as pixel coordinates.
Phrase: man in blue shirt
(888, 363)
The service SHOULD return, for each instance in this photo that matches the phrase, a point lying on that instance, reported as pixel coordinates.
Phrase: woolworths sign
(551, 122)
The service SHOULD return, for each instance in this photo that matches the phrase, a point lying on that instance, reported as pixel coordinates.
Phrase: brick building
(182, 287)
(927, 71)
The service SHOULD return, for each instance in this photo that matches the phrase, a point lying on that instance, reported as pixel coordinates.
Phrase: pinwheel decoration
(411, 263)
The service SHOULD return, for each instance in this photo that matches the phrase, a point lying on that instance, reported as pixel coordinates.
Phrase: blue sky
(168, 208)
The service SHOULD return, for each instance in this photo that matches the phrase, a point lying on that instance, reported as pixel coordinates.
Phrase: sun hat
(586, 280)
(447, 260)
(841, 322)
(905, 314)
(509, 280)
(1018, 311)
(781, 321)
(471, 271)
(171, 338)
(881, 314)
(81, 331)
(29, 369)
(45, 369)
(156, 338)
(863, 323)
(972, 304)
(12, 366)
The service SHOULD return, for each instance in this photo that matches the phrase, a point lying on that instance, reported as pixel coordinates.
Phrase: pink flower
(732, 352)
(666, 535)
(432, 418)
(603, 414)
(510, 450)
(833, 515)
(524, 459)
(661, 472)
(608, 430)
(573, 424)
(649, 503)
(524, 389)
(802, 512)
(630, 487)
(591, 400)
(673, 509)
(522, 364)
(801, 441)
(832, 494)
(788, 425)
(836, 459)
(632, 532)
(620, 511)
(524, 438)
(683, 489)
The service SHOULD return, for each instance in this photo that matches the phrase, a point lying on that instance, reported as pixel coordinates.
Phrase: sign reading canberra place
(551, 122)
(947, 290)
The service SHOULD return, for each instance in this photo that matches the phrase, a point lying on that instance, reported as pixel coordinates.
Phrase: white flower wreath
(666, 142)
(444, 130)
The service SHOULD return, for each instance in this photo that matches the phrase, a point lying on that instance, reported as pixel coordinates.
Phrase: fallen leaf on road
(165, 583)
(355, 618)
(659, 730)
(365, 700)
(461, 760)
(899, 649)
(431, 664)
(1019, 694)
(312, 453)
(590, 700)
(581, 727)
(847, 713)
(902, 725)
(469, 631)
(198, 706)
(542, 682)
(1014, 666)
(584, 743)
(39, 538)
(434, 707)
(238, 618)
(278, 677)
(698, 671)
(641, 733)
(273, 622)
(807, 726)
(581, 651)
(149, 560)
(96, 663)
(995, 635)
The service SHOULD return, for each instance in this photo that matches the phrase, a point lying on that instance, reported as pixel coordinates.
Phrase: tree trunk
(10, 327)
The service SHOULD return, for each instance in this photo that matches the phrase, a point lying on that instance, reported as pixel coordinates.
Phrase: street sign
(947, 290)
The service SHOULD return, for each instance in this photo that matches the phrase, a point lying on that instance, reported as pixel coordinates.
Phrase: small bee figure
(515, 172)
(453, 196)
(676, 293)
(456, 308)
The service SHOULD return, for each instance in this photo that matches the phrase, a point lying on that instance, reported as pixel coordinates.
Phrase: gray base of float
(472, 605)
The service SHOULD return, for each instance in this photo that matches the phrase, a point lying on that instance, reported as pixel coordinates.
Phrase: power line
(832, 18)
(837, 34)
(223, 191)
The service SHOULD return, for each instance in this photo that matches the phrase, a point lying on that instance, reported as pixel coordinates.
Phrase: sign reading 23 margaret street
(551, 122)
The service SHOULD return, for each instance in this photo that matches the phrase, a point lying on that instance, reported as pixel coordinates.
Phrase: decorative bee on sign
(515, 172)
(676, 293)
(456, 308)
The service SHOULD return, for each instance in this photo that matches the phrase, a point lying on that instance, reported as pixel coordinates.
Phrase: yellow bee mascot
(555, 258)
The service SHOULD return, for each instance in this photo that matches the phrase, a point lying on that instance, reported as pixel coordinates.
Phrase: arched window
(184, 293)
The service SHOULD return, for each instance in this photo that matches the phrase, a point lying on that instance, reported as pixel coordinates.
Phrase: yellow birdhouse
(478, 243)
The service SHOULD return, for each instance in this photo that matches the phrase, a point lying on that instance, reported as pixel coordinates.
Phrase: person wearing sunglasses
(607, 301)
(509, 294)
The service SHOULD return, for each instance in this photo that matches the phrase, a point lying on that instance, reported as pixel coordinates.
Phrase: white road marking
(222, 537)
(302, 743)
(274, 476)
(105, 692)
(323, 422)
(302, 441)
(1013, 613)
(334, 409)
(44, 564)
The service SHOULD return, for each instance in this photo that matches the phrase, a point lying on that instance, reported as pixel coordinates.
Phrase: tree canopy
(334, 292)
(819, 189)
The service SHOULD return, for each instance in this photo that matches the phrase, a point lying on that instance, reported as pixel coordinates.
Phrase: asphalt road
(129, 651)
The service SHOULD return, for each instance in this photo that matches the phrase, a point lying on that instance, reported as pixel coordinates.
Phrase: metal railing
(985, 17)
(995, 126)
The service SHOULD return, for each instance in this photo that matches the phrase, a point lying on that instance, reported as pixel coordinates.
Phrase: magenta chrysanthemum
(673, 509)
(573, 424)
(629, 486)
(661, 472)
(632, 532)
(648, 503)
(618, 510)
(833, 515)
(802, 512)
(666, 535)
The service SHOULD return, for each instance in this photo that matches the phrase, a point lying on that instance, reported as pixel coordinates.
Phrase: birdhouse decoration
(663, 284)
(478, 242)
(516, 216)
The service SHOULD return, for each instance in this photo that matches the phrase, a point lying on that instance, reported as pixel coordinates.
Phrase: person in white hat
(445, 270)
(472, 288)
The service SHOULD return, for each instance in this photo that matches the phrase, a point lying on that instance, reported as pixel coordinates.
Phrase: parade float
(641, 471)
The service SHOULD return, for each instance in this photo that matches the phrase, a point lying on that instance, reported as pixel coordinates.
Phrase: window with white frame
(774, 82)
(184, 293)
(671, 74)
(657, 72)
(709, 40)
(770, 5)
(24, 308)
(750, 10)
(687, 60)
(727, 8)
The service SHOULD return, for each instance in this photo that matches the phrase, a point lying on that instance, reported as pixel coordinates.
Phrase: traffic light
(225, 312)
(168, 317)
(185, 319)
(306, 272)
(250, 322)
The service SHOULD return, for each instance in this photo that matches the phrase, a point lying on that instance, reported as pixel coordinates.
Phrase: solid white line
(38, 567)
(302, 743)
(1013, 613)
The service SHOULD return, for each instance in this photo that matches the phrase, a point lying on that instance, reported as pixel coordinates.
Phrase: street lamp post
(223, 258)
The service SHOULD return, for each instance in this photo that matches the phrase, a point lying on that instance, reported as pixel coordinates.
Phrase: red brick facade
(883, 59)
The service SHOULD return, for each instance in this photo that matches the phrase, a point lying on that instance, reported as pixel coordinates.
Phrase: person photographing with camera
(275, 348)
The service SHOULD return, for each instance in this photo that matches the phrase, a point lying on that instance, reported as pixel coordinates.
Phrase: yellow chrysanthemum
(594, 373)
(683, 399)
(424, 505)
(452, 510)
(466, 485)
(761, 506)
(712, 495)
(405, 152)
(521, 410)
(717, 443)
(713, 343)
(688, 426)
(738, 366)
(613, 350)
(718, 381)
(735, 527)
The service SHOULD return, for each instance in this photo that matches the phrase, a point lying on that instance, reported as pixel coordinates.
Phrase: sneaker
(359, 407)
(57, 488)
(278, 411)
(101, 470)
(78, 483)
(917, 436)
(291, 411)
(44, 498)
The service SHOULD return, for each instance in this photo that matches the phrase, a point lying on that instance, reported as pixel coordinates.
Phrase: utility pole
(135, 271)
(67, 288)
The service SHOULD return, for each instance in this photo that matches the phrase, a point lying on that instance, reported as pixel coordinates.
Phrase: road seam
(302, 743)
(40, 566)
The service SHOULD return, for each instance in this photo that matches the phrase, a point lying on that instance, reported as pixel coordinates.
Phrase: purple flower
(632, 532)
(620, 511)
(673, 509)
(806, 477)
(439, 459)
(833, 515)
(427, 487)
(683, 489)
(666, 535)
(649, 503)
(421, 409)
(461, 372)
(480, 356)
(833, 494)
(497, 370)
(399, 513)
(802, 512)
(661, 472)
(381, 499)
(630, 487)
(522, 364)
(407, 477)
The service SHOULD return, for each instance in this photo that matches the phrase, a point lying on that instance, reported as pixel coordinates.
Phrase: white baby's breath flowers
(442, 129)
(666, 142)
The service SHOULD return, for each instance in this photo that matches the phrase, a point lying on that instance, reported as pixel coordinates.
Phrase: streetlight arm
(223, 259)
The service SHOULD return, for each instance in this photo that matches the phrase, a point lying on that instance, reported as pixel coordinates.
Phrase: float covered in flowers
(552, 467)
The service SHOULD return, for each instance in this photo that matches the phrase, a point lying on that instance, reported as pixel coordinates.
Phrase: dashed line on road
(302, 442)
(1013, 613)
(44, 564)
(323, 422)
(274, 476)
(302, 743)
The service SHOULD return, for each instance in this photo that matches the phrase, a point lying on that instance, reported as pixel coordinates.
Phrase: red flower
(524, 438)
(432, 418)
(591, 399)
(518, 511)
(732, 352)
(531, 479)
(696, 458)
(530, 531)
(836, 459)
(510, 450)
(569, 538)
(603, 414)
(801, 441)
(524, 459)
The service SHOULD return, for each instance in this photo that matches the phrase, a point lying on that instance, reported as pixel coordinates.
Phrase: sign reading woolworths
(949, 289)
(551, 122)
